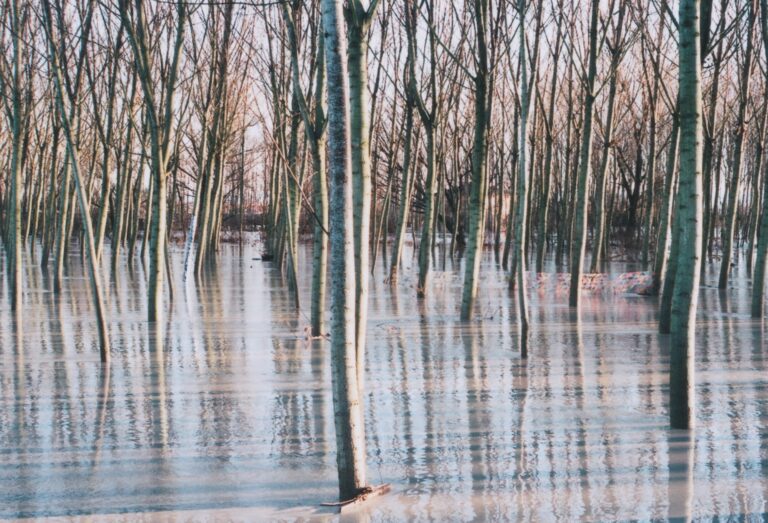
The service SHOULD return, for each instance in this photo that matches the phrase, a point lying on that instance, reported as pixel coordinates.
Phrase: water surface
(225, 411)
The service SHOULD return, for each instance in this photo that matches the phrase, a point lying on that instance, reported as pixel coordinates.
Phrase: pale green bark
(359, 20)
(15, 250)
(579, 235)
(543, 215)
(738, 146)
(476, 210)
(66, 111)
(160, 121)
(521, 226)
(600, 180)
(689, 216)
(315, 132)
(429, 120)
(761, 262)
(663, 238)
(347, 396)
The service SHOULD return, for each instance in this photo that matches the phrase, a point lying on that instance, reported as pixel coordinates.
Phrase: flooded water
(227, 414)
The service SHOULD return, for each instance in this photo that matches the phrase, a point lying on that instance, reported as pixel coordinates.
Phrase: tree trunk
(579, 238)
(761, 263)
(476, 209)
(730, 225)
(347, 400)
(689, 216)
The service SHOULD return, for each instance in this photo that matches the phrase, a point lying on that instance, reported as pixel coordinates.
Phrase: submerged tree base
(364, 495)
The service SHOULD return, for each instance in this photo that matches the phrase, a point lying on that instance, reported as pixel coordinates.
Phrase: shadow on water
(224, 410)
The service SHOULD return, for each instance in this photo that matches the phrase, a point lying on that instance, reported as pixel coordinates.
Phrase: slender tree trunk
(15, 250)
(521, 226)
(406, 186)
(543, 215)
(476, 211)
(66, 115)
(761, 262)
(601, 229)
(358, 25)
(660, 268)
(738, 146)
(579, 239)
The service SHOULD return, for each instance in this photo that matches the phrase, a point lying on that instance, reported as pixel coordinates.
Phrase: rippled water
(227, 414)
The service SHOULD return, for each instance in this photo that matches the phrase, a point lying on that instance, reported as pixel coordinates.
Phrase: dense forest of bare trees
(551, 133)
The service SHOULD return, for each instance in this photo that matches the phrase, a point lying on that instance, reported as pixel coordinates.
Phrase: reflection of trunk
(730, 221)
(476, 209)
(348, 413)
(680, 483)
(688, 216)
(579, 239)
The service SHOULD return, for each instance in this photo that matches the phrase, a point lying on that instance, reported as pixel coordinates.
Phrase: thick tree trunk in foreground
(347, 407)
(689, 209)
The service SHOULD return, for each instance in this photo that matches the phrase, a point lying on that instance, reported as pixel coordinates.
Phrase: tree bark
(347, 401)
(689, 216)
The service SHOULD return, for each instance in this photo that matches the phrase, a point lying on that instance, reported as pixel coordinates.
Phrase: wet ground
(227, 414)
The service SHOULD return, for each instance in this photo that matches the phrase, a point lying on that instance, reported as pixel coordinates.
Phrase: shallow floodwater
(227, 413)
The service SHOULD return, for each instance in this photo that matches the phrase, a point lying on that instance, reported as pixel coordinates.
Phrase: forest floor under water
(229, 415)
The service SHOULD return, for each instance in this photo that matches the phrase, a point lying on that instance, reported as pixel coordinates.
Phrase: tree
(579, 237)
(66, 112)
(761, 263)
(347, 400)
(477, 189)
(359, 20)
(740, 127)
(521, 226)
(159, 110)
(689, 218)
(17, 115)
(314, 128)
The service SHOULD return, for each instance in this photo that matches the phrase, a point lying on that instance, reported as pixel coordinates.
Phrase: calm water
(227, 413)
